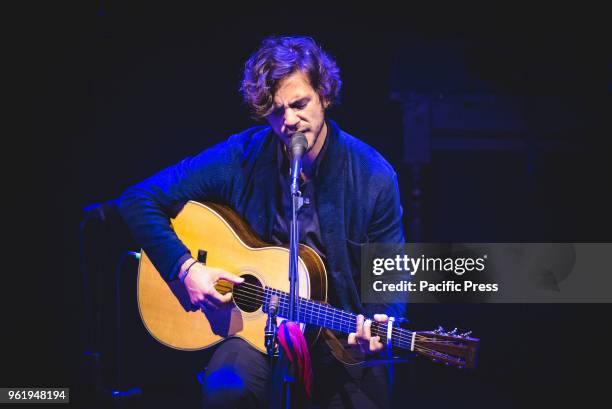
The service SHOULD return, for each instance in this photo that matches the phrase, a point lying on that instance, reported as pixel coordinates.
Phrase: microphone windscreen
(298, 143)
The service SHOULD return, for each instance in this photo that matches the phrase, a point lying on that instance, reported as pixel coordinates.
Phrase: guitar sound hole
(248, 296)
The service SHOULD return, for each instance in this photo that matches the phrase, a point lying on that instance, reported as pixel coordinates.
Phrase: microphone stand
(294, 284)
(294, 292)
(298, 146)
(271, 329)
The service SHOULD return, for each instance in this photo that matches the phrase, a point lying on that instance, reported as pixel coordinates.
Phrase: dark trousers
(239, 376)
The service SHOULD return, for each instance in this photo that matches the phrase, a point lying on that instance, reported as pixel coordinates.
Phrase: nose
(291, 119)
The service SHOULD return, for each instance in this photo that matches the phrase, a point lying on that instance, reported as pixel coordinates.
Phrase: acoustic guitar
(215, 234)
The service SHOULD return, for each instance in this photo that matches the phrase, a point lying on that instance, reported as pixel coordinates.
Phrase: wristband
(184, 275)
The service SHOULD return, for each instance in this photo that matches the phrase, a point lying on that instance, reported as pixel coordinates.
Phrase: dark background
(115, 92)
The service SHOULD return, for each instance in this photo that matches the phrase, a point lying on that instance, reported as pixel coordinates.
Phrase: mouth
(289, 136)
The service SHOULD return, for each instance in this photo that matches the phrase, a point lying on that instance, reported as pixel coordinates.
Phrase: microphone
(299, 144)
(270, 331)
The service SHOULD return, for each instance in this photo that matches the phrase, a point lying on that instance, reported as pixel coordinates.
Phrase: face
(297, 107)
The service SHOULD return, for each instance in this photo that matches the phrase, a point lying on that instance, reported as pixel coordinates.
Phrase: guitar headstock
(459, 350)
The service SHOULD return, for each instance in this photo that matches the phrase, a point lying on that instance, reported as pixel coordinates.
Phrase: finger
(359, 331)
(375, 344)
(351, 339)
(381, 317)
(367, 329)
(227, 297)
(215, 298)
(198, 302)
(232, 278)
(220, 299)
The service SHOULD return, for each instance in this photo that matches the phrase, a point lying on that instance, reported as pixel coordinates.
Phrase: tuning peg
(465, 334)
(440, 330)
(453, 332)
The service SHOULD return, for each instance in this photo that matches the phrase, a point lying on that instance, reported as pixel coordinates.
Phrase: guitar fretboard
(324, 315)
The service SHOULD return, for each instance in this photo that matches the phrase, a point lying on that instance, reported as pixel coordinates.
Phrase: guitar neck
(324, 315)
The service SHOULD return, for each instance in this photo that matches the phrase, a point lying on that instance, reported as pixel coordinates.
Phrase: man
(352, 198)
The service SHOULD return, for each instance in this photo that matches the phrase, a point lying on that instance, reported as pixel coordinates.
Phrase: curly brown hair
(279, 57)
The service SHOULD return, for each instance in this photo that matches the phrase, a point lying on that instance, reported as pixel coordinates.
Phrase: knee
(224, 388)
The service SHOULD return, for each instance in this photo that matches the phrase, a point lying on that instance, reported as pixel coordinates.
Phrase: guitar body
(231, 245)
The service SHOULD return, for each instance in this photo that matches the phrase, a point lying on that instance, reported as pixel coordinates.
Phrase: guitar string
(398, 342)
(401, 341)
(348, 319)
(406, 345)
(425, 350)
(317, 317)
(346, 316)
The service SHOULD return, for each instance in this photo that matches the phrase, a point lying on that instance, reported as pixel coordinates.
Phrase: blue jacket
(357, 200)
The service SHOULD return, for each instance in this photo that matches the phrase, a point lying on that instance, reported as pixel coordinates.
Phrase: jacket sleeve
(148, 206)
(386, 227)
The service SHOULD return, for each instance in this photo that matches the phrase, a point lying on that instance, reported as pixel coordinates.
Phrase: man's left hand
(363, 336)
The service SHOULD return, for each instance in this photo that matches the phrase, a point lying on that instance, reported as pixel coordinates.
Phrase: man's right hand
(200, 284)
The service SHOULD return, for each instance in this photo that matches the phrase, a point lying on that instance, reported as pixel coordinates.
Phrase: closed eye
(301, 104)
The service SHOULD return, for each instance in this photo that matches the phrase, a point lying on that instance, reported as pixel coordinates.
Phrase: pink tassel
(294, 344)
